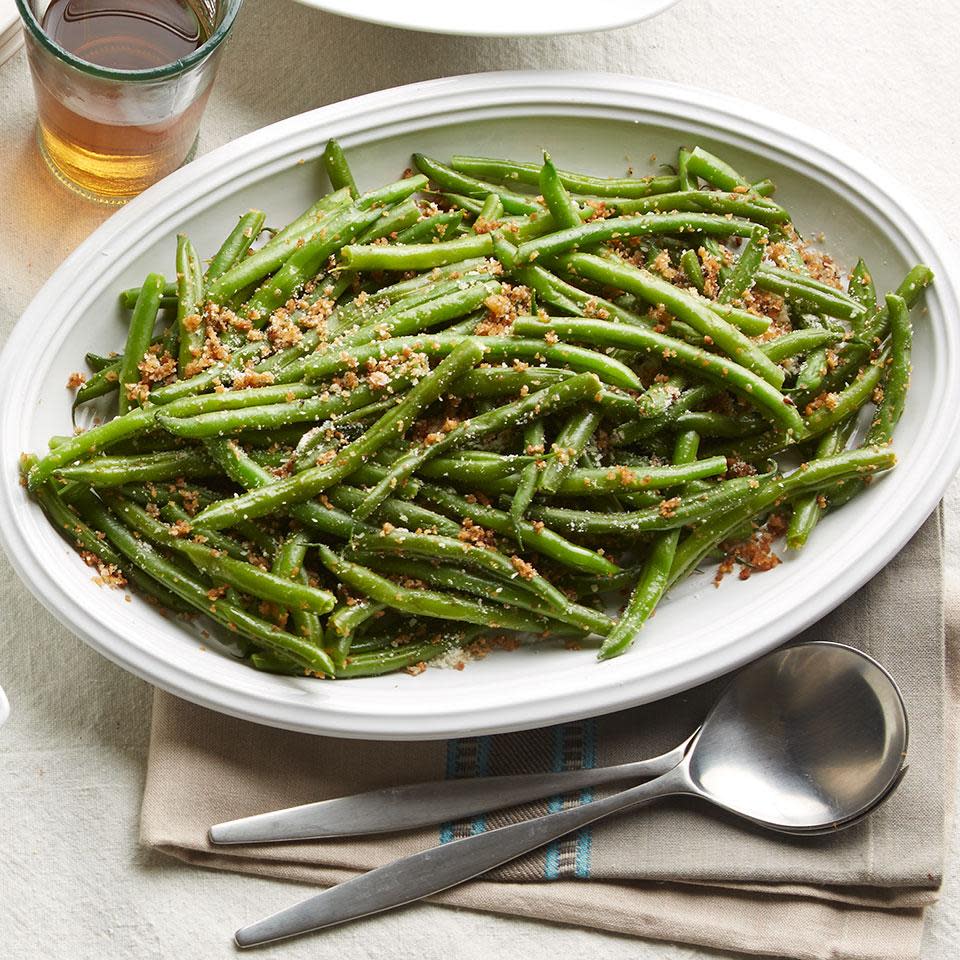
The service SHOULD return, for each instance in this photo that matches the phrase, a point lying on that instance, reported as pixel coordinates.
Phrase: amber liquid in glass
(112, 141)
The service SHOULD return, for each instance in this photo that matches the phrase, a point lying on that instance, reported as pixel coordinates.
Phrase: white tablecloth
(74, 884)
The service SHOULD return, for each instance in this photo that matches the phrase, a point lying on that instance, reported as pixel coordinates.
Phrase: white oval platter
(596, 122)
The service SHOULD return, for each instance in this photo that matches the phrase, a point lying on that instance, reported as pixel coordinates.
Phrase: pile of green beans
(492, 398)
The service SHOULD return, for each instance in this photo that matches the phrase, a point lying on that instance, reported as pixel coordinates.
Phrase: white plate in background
(496, 18)
(595, 122)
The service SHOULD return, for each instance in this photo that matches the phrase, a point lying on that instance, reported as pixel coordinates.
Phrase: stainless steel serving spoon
(806, 740)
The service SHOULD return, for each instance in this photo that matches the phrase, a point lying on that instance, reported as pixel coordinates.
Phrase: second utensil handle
(424, 804)
(440, 868)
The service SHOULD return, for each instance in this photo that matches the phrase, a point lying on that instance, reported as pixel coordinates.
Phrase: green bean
(861, 289)
(457, 201)
(841, 406)
(749, 207)
(416, 256)
(645, 224)
(338, 170)
(189, 296)
(688, 308)
(243, 576)
(679, 511)
(556, 197)
(436, 227)
(342, 623)
(235, 247)
(391, 193)
(402, 543)
(367, 411)
(807, 509)
(475, 473)
(610, 370)
(128, 297)
(426, 603)
(453, 300)
(490, 211)
(454, 578)
(233, 617)
(308, 483)
(896, 380)
(811, 374)
(708, 424)
(401, 513)
(798, 289)
(104, 381)
(274, 663)
(430, 305)
(658, 397)
(509, 381)
(594, 481)
(449, 179)
(106, 471)
(391, 221)
(398, 658)
(96, 362)
(569, 446)
(797, 342)
(554, 290)
(529, 173)
(246, 472)
(765, 397)
(236, 399)
(138, 339)
(692, 270)
(272, 254)
(90, 441)
(305, 225)
(744, 273)
(549, 288)
(365, 475)
(269, 416)
(535, 538)
(500, 381)
(653, 581)
(352, 422)
(687, 181)
(534, 439)
(288, 563)
(718, 173)
(851, 399)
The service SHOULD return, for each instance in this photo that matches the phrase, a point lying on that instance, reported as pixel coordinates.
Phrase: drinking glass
(109, 133)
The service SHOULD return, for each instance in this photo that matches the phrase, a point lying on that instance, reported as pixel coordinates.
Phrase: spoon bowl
(804, 739)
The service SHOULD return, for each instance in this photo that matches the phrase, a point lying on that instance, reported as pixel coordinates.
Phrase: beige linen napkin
(675, 871)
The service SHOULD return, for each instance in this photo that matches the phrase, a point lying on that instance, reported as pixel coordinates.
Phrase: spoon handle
(424, 804)
(418, 876)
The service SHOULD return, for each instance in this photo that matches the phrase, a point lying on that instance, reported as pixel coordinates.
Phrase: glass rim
(109, 73)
